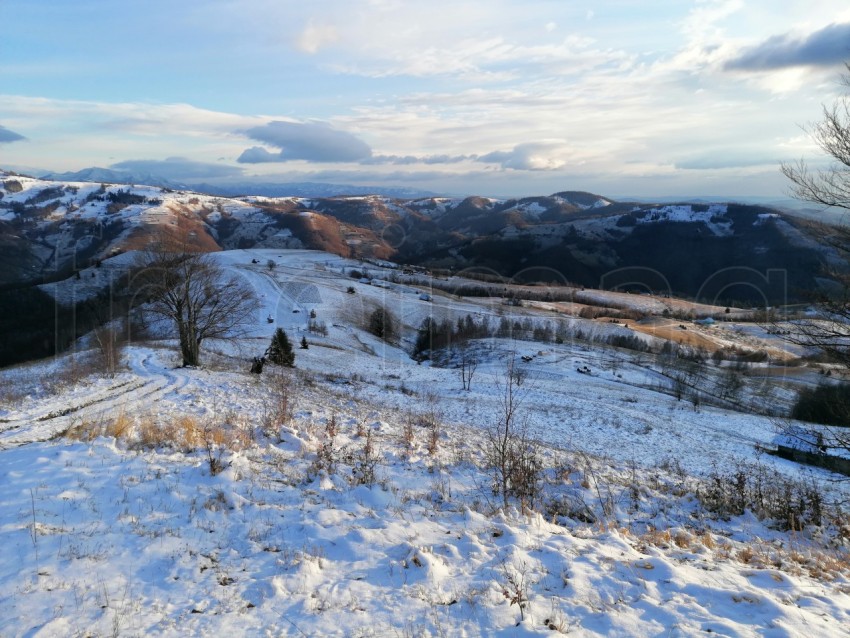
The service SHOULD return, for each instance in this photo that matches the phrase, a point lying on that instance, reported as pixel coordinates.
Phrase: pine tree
(280, 350)
(304, 345)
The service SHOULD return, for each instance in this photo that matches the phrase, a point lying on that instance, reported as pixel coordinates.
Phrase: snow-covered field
(365, 509)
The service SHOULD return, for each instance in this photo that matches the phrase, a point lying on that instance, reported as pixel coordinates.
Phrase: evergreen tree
(304, 345)
(280, 350)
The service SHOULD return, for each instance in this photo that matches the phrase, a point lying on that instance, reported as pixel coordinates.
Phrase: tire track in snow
(153, 381)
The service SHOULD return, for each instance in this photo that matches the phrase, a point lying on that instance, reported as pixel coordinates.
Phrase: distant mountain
(718, 251)
(100, 175)
(110, 176)
(305, 189)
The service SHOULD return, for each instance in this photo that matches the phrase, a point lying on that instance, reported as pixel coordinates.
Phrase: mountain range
(231, 187)
(714, 251)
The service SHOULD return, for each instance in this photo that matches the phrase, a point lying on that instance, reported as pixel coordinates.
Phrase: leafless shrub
(431, 420)
(279, 404)
(790, 504)
(433, 444)
(326, 455)
(408, 434)
(516, 585)
(511, 451)
(110, 342)
(467, 366)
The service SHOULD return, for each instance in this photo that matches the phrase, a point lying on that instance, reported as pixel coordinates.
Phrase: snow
(687, 213)
(532, 210)
(107, 536)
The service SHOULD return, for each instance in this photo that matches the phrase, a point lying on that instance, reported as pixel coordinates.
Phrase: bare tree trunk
(502, 437)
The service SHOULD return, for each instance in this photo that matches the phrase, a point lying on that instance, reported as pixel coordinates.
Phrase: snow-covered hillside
(55, 227)
(355, 499)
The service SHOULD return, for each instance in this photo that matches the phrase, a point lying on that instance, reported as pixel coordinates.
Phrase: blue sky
(497, 97)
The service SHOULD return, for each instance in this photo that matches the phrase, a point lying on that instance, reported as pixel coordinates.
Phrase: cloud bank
(309, 141)
(178, 168)
(407, 160)
(826, 47)
(9, 136)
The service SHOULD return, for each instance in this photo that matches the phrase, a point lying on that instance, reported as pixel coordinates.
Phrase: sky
(491, 97)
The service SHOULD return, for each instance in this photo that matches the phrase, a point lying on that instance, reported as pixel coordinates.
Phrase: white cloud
(434, 87)
(315, 36)
(72, 134)
(408, 160)
(129, 118)
(542, 156)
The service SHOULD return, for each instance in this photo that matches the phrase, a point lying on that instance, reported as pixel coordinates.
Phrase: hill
(723, 253)
(354, 495)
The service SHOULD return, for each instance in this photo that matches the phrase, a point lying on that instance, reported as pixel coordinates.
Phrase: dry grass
(120, 427)
(817, 563)
(185, 432)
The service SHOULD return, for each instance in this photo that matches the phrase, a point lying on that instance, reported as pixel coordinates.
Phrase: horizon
(382, 190)
(472, 98)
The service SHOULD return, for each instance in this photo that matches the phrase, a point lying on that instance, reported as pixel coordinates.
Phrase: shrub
(511, 452)
(279, 403)
(790, 504)
(364, 463)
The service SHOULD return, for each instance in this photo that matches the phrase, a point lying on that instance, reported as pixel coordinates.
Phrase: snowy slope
(109, 535)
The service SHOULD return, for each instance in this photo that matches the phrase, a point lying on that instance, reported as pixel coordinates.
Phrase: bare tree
(829, 331)
(511, 451)
(110, 344)
(830, 187)
(196, 294)
(468, 365)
